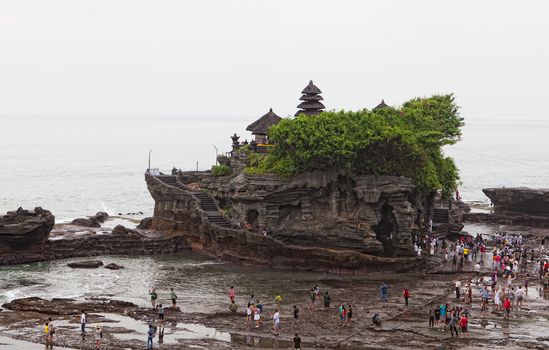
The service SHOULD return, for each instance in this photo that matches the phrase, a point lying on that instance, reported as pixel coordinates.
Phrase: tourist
(453, 324)
(431, 317)
(173, 296)
(312, 295)
(47, 332)
(259, 305)
(83, 321)
(526, 283)
(342, 314)
(463, 322)
(317, 291)
(520, 295)
(376, 320)
(257, 317)
(233, 307)
(497, 299)
(383, 290)
(477, 269)
(249, 314)
(297, 342)
(406, 295)
(154, 296)
(51, 329)
(443, 310)
(430, 225)
(350, 315)
(327, 300)
(232, 294)
(296, 316)
(437, 314)
(457, 288)
(150, 336)
(160, 313)
(252, 299)
(507, 308)
(160, 334)
(278, 300)
(276, 322)
(98, 336)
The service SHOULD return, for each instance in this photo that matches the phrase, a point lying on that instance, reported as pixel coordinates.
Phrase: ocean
(77, 165)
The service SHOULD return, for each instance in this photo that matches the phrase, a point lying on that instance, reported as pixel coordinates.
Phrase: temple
(381, 105)
(311, 98)
(325, 219)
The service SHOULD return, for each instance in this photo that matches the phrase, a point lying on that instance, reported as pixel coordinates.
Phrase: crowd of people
(502, 277)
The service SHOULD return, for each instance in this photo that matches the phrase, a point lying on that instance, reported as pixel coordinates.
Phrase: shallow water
(200, 282)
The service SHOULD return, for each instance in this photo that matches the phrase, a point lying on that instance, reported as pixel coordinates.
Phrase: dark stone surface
(145, 224)
(23, 235)
(330, 220)
(122, 230)
(86, 222)
(113, 266)
(519, 200)
(88, 264)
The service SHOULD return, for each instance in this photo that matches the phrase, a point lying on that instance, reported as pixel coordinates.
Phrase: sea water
(78, 165)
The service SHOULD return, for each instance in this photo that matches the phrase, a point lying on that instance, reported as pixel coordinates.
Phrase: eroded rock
(88, 264)
(113, 266)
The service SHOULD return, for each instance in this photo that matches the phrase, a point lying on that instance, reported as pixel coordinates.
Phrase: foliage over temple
(405, 141)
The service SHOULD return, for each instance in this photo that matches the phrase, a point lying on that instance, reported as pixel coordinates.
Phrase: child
(98, 336)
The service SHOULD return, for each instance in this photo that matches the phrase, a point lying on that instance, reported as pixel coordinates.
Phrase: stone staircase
(208, 205)
(440, 216)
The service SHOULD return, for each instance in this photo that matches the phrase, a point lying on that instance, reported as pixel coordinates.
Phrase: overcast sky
(238, 58)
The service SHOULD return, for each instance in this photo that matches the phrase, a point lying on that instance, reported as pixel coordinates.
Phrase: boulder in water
(88, 264)
(122, 230)
(113, 266)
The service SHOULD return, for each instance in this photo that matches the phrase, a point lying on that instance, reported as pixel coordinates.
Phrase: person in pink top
(232, 294)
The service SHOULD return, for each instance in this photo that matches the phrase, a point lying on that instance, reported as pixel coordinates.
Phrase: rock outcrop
(91, 221)
(88, 264)
(323, 221)
(519, 200)
(23, 235)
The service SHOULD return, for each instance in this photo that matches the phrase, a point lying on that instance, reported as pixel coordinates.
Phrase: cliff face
(519, 200)
(327, 218)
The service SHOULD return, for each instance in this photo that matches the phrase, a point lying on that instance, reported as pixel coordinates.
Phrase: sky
(237, 58)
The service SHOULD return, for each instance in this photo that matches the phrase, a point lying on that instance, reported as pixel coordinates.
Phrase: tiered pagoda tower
(381, 105)
(311, 98)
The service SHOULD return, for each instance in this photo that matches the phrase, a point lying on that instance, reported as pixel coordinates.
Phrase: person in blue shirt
(150, 333)
(383, 290)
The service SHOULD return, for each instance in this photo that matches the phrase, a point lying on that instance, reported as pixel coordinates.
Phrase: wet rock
(521, 200)
(89, 264)
(23, 235)
(68, 306)
(113, 266)
(86, 222)
(101, 216)
(122, 230)
(145, 224)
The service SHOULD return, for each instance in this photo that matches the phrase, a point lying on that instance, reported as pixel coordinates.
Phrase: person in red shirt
(406, 295)
(463, 322)
(232, 294)
(507, 307)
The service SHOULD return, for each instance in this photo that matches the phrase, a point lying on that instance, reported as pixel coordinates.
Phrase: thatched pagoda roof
(263, 124)
(311, 104)
(311, 89)
(381, 105)
(311, 98)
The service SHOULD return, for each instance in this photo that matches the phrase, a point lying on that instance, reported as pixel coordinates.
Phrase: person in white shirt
(276, 322)
(520, 295)
(458, 287)
(83, 321)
